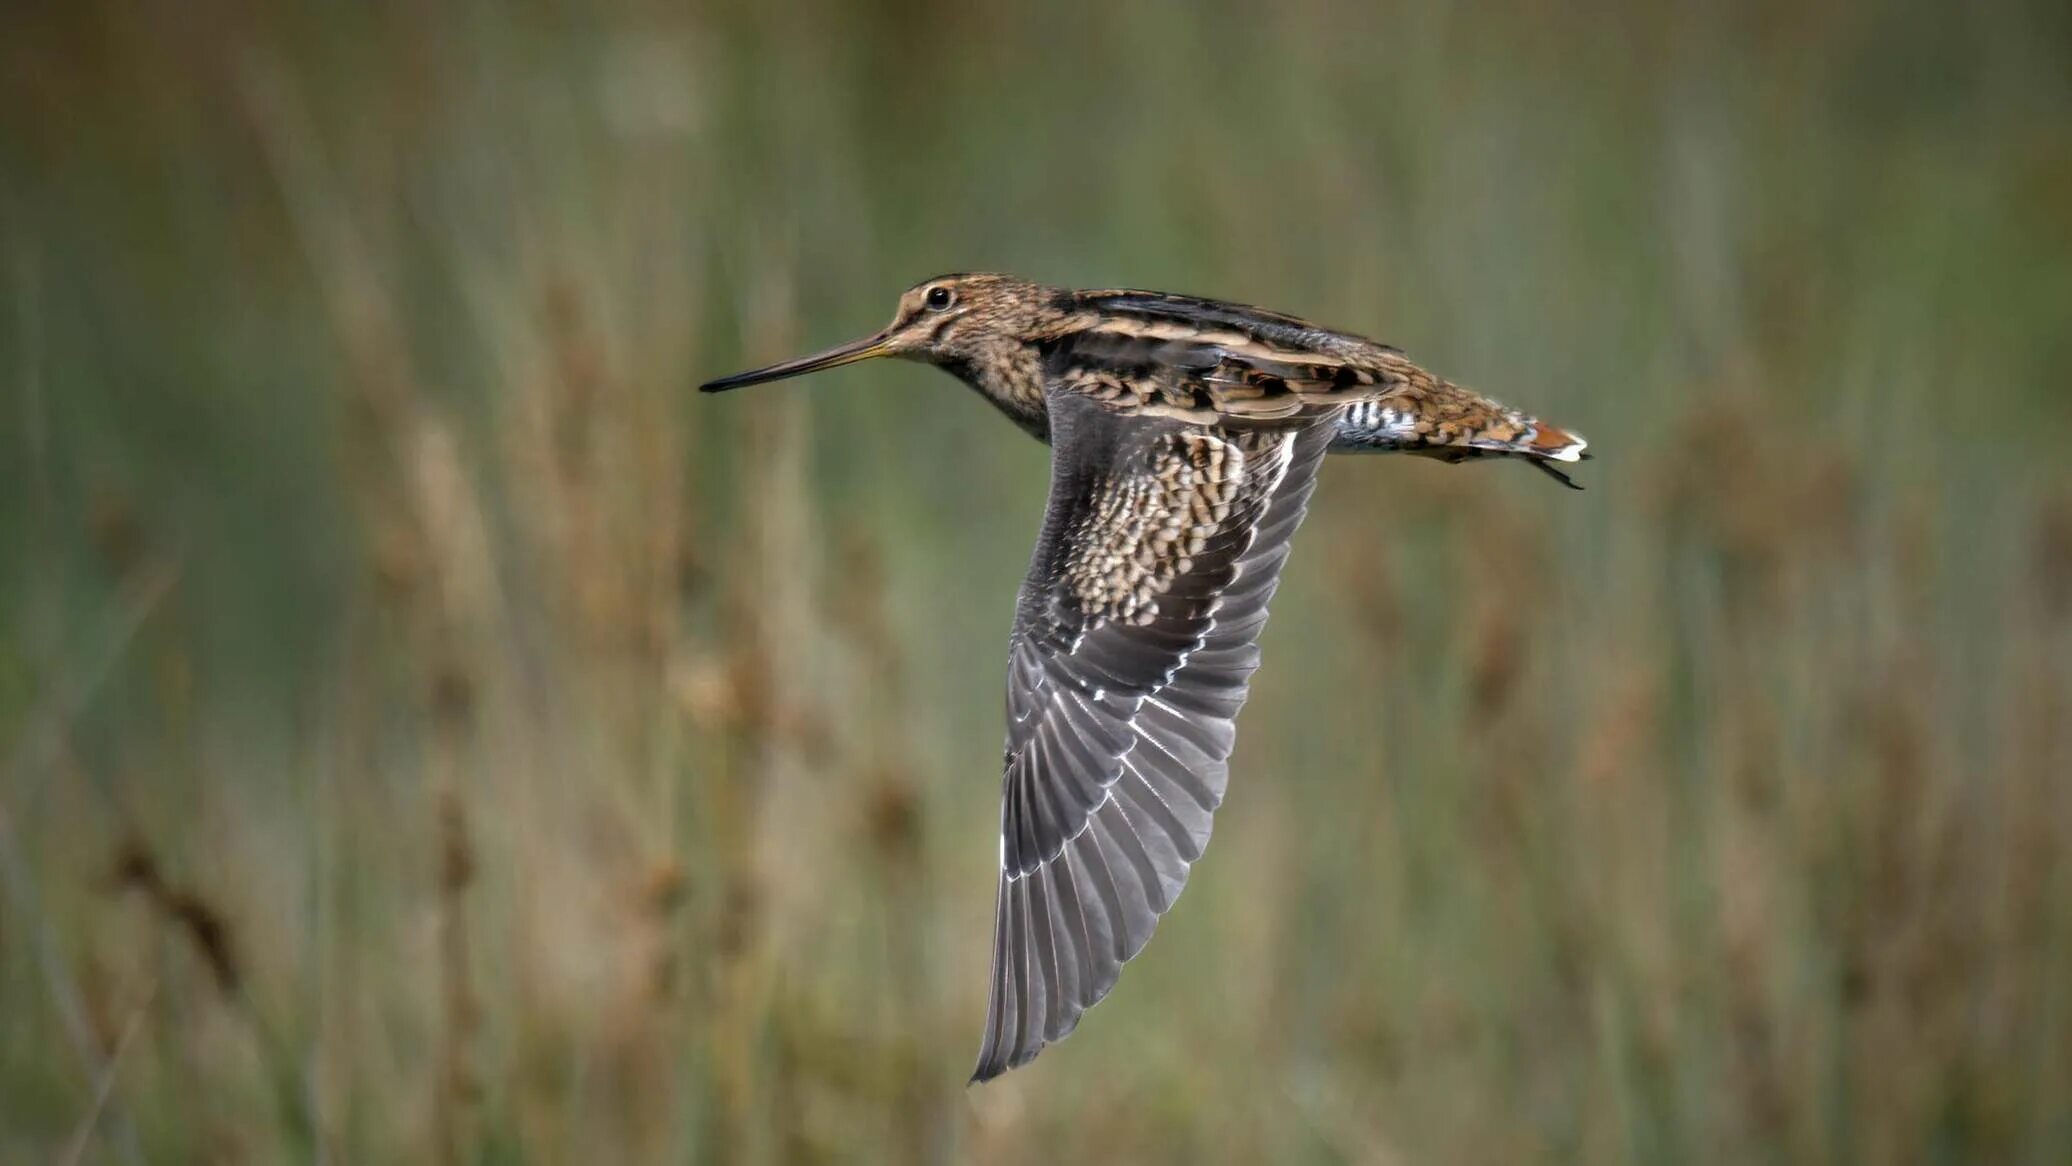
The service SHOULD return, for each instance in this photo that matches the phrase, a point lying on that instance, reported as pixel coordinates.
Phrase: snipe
(1185, 438)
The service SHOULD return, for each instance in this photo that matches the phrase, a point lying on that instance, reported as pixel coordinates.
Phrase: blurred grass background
(431, 732)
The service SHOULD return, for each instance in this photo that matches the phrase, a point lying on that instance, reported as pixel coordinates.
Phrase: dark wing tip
(988, 1072)
(991, 1066)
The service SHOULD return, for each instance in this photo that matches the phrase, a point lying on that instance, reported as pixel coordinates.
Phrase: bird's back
(1212, 362)
(1272, 331)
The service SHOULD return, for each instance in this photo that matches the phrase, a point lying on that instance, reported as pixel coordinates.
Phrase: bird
(1185, 435)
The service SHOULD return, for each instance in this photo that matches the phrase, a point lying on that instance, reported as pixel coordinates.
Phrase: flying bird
(1185, 439)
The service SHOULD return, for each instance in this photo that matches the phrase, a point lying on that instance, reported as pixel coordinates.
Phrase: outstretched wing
(1135, 639)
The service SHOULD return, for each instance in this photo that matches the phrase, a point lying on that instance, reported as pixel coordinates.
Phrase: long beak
(840, 354)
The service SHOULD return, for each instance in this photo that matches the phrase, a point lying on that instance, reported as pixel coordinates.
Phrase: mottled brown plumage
(1186, 435)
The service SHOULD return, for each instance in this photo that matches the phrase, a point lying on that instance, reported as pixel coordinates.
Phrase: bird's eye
(939, 298)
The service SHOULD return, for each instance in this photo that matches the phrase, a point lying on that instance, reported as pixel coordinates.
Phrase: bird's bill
(840, 354)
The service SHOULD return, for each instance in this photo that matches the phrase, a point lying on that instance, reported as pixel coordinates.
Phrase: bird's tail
(1440, 419)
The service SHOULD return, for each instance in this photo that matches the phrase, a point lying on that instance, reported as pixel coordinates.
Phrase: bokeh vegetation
(432, 732)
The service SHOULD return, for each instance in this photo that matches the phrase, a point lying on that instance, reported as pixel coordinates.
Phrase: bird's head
(949, 320)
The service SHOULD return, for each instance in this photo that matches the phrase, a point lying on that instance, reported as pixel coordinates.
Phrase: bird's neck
(1010, 375)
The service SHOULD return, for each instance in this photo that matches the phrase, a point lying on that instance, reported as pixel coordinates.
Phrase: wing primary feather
(1145, 797)
(1160, 849)
(1043, 927)
(989, 1063)
(1109, 888)
(1024, 995)
(1091, 888)
(1122, 833)
(1036, 1001)
(1078, 932)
